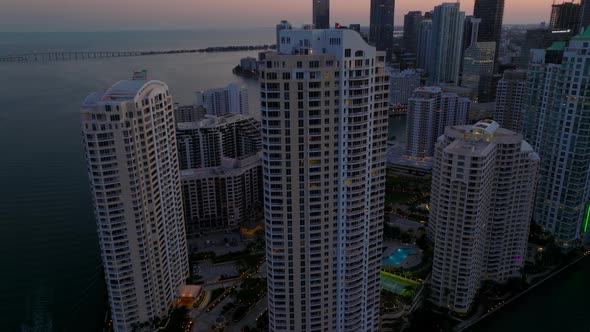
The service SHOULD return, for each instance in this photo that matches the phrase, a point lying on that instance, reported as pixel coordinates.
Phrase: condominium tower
(130, 145)
(321, 14)
(558, 122)
(510, 100)
(229, 99)
(447, 41)
(220, 172)
(430, 110)
(483, 183)
(324, 99)
(402, 85)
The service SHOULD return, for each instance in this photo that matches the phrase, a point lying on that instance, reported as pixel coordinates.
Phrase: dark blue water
(51, 273)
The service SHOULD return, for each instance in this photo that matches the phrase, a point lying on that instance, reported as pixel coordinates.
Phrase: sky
(97, 15)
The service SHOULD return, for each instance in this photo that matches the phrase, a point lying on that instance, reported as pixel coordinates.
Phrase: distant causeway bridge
(70, 56)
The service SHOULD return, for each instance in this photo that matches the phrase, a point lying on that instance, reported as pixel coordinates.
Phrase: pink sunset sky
(80, 15)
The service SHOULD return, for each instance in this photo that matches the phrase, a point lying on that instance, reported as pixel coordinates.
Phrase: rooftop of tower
(122, 90)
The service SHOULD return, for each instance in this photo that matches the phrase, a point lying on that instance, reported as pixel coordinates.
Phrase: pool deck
(410, 261)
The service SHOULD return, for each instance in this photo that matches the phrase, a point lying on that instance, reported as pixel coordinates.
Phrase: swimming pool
(398, 256)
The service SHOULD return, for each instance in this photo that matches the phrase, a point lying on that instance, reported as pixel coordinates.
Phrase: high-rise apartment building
(402, 85)
(566, 16)
(188, 113)
(483, 183)
(557, 122)
(230, 99)
(321, 14)
(430, 110)
(478, 70)
(412, 22)
(324, 99)
(510, 100)
(381, 26)
(220, 172)
(424, 47)
(130, 146)
(447, 41)
(491, 13)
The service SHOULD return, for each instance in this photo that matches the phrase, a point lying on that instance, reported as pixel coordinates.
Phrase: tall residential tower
(558, 126)
(324, 99)
(130, 146)
(483, 184)
(447, 42)
(510, 100)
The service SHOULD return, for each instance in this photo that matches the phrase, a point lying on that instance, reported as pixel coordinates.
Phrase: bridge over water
(83, 55)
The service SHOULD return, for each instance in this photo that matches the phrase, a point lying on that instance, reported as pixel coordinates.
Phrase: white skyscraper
(557, 124)
(483, 184)
(324, 103)
(510, 100)
(402, 85)
(230, 99)
(447, 43)
(429, 111)
(130, 144)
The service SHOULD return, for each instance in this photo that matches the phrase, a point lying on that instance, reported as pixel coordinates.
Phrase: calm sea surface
(51, 273)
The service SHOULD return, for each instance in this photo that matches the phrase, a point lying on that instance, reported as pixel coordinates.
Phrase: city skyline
(182, 14)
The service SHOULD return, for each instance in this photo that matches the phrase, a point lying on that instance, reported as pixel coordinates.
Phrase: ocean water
(51, 277)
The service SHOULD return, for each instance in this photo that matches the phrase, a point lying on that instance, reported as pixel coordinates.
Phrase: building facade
(478, 70)
(324, 99)
(585, 16)
(220, 172)
(430, 110)
(230, 99)
(510, 100)
(321, 14)
(491, 13)
(447, 41)
(483, 183)
(402, 85)
(282, 26)
(412, 21)
(566, 16)
(381, 26)
(130, 146)
(189, 113)
(424, 47)
(558, 122)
